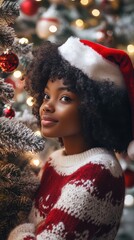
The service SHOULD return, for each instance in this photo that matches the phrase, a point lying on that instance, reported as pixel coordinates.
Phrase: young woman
(80, 91)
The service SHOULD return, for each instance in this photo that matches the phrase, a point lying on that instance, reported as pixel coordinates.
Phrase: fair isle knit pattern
(80, 198)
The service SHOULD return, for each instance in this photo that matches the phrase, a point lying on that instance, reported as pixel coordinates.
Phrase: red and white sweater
(80, 198)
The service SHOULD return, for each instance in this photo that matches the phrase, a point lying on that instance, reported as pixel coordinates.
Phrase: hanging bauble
(8, 111)
(29, 7)
(11, 81)
(8, 62)
(46, 27)
(129, 178)
(48, 23)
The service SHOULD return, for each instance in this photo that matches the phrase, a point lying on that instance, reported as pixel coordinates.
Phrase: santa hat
(98, 63)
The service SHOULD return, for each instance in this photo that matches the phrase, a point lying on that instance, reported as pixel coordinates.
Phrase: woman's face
(59, 111)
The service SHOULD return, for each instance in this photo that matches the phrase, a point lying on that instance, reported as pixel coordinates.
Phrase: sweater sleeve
(23, 232)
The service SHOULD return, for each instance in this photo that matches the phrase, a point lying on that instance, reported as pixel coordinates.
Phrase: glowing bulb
(95, 12)
(38, 133)
(79, 23)
(23, 40)
(130, 48)
(84, 2)
(30, 101)
(99, 35)
(53, 28)
(17, 74)
(129, 200)
(36, 162)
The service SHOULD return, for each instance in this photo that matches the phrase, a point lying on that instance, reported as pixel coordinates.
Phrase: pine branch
(7, 35)
(16, 203)
(20, 48)
(9, 174)
(6, 90)
(24, 52)
(16, 136)
(9, 11)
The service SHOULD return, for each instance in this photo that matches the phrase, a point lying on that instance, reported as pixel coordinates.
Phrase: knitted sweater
(80, 198)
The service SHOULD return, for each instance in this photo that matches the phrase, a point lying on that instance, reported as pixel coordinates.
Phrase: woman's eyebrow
(64, 88)
(60, 88)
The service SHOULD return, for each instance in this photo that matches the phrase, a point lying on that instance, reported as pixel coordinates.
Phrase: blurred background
(25, 24)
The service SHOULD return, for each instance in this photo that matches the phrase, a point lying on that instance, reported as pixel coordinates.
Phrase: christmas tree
(104, 21)
(18, 142)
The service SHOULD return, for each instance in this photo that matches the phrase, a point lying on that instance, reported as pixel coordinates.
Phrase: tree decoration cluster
(18, 143)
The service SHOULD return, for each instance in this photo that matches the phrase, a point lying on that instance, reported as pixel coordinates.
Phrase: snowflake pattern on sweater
(81, 197)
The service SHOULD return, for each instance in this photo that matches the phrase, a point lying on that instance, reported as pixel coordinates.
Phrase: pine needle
(16, 136)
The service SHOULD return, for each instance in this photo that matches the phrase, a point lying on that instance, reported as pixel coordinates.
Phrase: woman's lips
(48, 121)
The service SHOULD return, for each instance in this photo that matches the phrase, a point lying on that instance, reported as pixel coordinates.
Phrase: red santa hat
(98, 63)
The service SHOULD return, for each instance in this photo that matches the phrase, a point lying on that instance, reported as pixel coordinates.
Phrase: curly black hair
(104, 108)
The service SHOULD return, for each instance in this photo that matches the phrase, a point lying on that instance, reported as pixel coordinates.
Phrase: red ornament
(8, 112)
(129, 178)
(29, 7)
(8, 62)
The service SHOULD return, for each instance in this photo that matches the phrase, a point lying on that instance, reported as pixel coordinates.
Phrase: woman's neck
(74, 145)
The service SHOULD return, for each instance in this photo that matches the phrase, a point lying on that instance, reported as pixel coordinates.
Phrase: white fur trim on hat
(90, 62)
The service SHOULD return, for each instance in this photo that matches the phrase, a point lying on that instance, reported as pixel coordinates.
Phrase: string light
(35, 162)
(53, 28)
(129, 200)
(38, 133)
(29, 101)
(84, 2)
(79, 23)
(95, 12)
(17, 74)
(130, 48)
(23, 40)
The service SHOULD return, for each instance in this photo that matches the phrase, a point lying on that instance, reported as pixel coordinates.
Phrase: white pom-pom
(130, 150)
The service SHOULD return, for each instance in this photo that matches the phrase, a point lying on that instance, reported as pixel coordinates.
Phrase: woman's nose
(48, 107)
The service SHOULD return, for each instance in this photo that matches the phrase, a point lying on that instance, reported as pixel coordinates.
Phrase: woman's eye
(66, 99)
(46, 96)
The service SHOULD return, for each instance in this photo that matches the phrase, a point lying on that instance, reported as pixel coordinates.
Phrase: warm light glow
(53, 28)
(36, 162)
(23, 40)
(17, 74)
(99, 35)
(29, 101)
(129, 200)
(79, 23)
(84, 2)
(38, 133)
(130, 48)
(95, 12)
